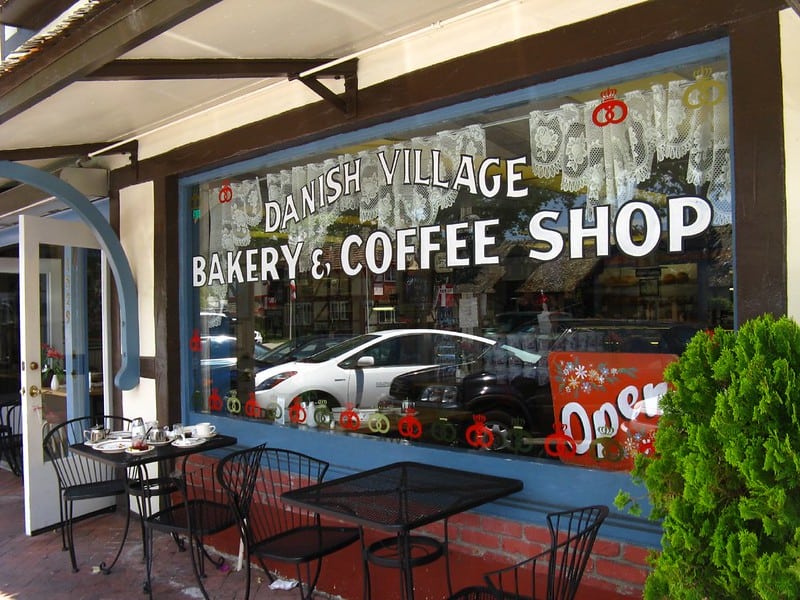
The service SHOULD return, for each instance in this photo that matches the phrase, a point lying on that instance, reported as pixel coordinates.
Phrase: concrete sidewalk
(33, 568)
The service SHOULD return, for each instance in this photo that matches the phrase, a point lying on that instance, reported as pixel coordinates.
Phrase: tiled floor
(34, 568)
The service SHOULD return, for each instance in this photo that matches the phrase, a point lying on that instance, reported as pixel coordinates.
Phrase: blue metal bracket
(128, 375)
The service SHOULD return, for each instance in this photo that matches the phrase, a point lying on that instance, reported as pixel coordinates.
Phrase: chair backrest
(11, 436)
(572, 536)
(476, 593)
(73, 469)
(237, 474)
(281, 471)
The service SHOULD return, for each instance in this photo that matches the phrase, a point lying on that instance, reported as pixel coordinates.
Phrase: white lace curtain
(683, 118)
(232, 208)
(394, 205)
(608, 162)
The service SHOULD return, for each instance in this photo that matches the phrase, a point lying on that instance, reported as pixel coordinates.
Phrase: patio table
(135, 466)
(399, 498)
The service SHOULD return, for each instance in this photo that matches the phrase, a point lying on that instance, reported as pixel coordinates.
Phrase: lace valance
(610, 158)
(233, 208)
(593, 149)
(394, 204)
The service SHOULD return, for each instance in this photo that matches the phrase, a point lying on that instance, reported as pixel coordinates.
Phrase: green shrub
(726, 475)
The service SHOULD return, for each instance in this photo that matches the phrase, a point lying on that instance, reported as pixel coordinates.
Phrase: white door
(42, 291)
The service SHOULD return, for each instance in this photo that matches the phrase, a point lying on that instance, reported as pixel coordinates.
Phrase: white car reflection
(359, 371)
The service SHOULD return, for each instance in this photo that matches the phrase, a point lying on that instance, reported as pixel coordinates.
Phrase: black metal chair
(572, 537)
(476, 592)
(11, 436)
(279, 532)
(81, 478)
(204, 508)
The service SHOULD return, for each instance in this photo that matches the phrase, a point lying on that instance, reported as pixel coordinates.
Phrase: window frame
(586, 480)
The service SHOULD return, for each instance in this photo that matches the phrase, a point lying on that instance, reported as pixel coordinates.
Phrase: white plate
(112, 446)
(135, 451)
(188, 442)
(203, 437)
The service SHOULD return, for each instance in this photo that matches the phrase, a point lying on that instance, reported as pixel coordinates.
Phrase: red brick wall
(478, 544)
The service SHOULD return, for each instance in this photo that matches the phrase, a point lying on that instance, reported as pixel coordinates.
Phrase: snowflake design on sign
(575, 377)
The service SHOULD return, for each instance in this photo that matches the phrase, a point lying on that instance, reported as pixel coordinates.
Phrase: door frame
(41, 494)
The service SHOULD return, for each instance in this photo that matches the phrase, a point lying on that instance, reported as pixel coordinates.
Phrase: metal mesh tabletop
(403, 496)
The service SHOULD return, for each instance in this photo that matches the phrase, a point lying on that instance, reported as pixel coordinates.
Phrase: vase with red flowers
(52, 366)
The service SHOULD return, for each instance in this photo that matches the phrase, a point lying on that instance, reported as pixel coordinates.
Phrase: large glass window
(512, 278)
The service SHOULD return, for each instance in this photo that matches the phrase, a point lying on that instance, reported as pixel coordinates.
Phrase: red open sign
(608, 403)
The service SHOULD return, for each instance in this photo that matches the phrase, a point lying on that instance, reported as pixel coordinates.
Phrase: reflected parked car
(220, 362)
(503, 384)
(510, 385)
(301, 347)
(360, 370)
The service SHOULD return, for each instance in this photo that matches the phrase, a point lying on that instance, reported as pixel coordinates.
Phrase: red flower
(52, 352)
(55, 358)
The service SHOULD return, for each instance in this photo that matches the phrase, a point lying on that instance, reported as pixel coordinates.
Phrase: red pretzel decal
(194, 342)
(215, 401)
(251, 409)
(609, 108)
(225, 192)
(559, 444)
(297, 414)
(349, 419)
(410, 427)
(478, 435)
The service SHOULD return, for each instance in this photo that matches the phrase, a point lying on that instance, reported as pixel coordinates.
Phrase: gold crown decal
(702, 73)
(605, 430)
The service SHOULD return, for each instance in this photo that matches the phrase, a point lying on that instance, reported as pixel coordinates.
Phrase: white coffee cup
(204, 430)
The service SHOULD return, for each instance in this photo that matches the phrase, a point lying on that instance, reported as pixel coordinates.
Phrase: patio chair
(276, 531)
(572, 536)
(202, 509)
(476, 592)
(11, 437)
(81, 478)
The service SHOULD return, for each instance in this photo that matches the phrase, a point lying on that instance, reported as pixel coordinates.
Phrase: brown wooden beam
(215, 68)
(52, 151)
(229, 68)
(108, 34)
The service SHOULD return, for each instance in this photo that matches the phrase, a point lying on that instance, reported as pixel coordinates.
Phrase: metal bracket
(346, 102)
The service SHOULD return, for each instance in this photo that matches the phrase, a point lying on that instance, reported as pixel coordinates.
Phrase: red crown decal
(608, 94)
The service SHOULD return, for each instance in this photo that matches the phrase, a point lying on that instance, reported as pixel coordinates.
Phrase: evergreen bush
(725, 477)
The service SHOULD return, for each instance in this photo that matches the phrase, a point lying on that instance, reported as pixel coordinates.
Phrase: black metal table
(135, 465)
(399, 498)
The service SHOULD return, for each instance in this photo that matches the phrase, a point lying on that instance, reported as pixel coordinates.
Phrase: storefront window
(512, 279)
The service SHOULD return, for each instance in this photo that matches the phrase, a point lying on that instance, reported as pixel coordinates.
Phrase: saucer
(204, 437)
(188, 442)
(154, 443)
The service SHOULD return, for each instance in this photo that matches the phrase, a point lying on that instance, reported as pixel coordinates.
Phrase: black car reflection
(509, 385)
